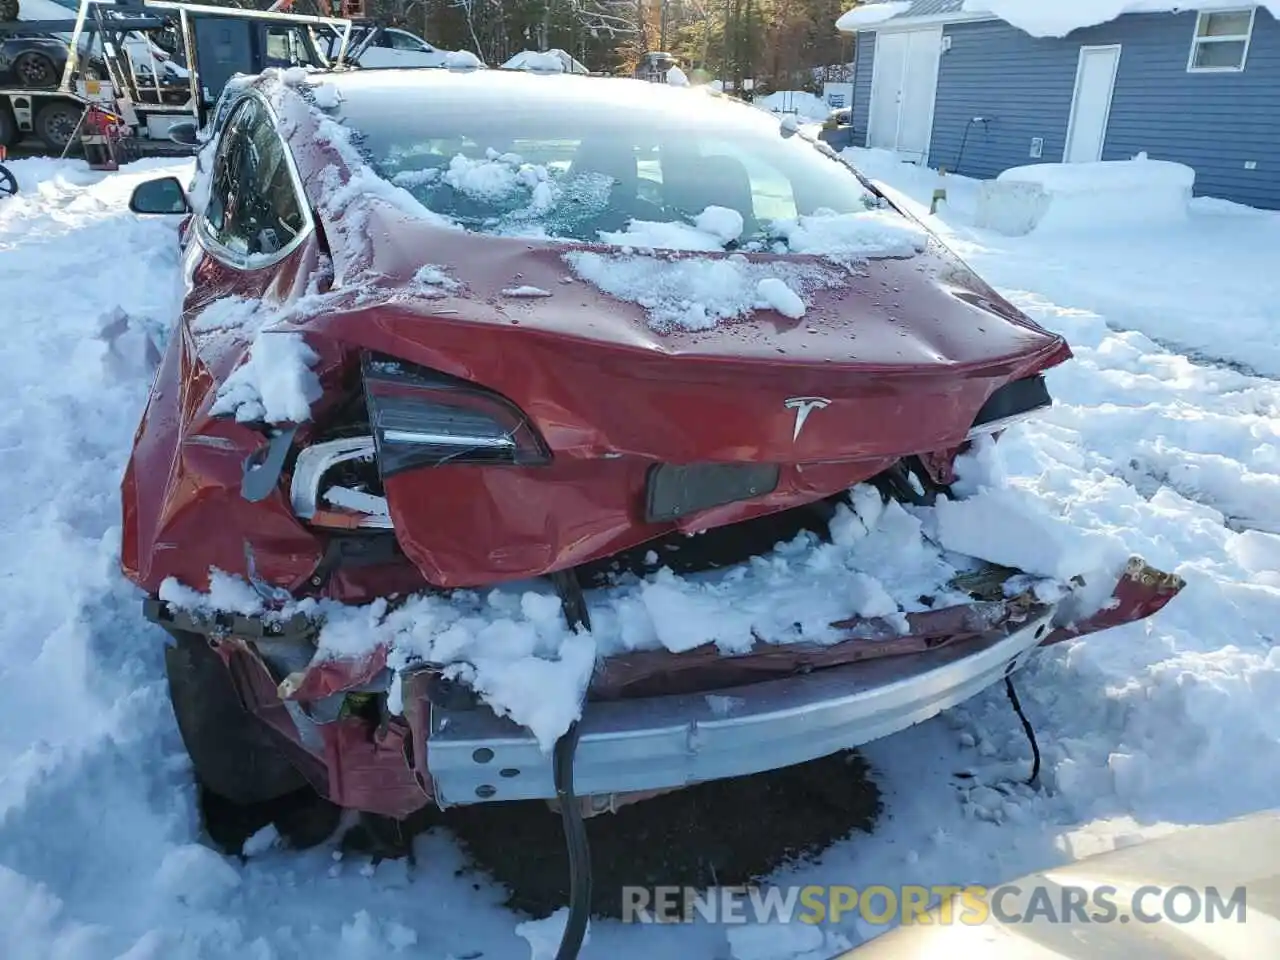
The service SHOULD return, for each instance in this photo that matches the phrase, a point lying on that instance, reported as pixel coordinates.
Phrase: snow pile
(853, 236)
(462, 60)
(693, 293)
(511, 644)
(800, 102)
(1075, 197)
(535, 62)
(497, 177)
(720, 222)
(780, 297)
(548, 61)
(677, 77)
(1047, 19)
(543, 936)
(870, 14)
(327, 96)
(698, 293)
(648, 235)
(226, 593)
(274, 385)
(434, 280)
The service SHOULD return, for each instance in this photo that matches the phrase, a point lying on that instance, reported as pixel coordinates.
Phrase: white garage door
(904, 83)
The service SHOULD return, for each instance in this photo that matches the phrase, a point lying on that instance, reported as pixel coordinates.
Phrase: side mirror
(185, 132)
(162, 196)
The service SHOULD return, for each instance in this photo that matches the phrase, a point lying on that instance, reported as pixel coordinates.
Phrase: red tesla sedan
(451, 329)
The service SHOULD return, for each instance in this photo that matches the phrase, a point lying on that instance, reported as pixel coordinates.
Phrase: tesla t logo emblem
(803, 406)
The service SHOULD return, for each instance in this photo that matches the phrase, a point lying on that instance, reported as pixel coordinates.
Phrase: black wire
(575, 834)
(1026, 726)
(574, 605)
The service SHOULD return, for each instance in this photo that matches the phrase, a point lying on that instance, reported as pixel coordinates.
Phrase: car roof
(480, 84)
(451, 92)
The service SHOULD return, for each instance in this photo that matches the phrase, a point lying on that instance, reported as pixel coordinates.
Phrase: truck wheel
(36, 70)
(56, 122)
(231, 750)
(8, 10)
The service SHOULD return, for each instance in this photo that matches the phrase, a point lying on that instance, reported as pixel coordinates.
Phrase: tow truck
(139, 72)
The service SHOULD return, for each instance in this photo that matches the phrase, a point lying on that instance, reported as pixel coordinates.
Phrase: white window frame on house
(1199, 40)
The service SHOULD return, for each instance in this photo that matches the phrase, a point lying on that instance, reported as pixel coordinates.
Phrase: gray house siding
(864, 62)
(1214, 122)
(1023, 86)
(1020, 86)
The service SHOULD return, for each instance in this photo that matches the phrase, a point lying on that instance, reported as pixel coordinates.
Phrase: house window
(1221, 43)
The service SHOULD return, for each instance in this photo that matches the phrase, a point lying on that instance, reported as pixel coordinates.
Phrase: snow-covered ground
(1174, 720)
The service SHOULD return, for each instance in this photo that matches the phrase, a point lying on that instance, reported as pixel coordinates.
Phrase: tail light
(1011, 403)
(421, 418)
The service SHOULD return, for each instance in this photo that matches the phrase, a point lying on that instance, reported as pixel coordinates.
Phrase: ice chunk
(722, 223)
(780, 297)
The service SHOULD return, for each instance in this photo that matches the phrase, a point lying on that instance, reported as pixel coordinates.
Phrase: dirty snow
(1162, 441)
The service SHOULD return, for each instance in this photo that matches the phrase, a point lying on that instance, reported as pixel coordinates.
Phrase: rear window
(567, 162)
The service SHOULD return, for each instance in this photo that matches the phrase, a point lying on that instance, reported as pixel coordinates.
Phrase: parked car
(481, 430)
(148, 58)
(31, 61)
(391, 47)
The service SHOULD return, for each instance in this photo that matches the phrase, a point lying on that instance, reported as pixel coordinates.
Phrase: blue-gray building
(963, 90)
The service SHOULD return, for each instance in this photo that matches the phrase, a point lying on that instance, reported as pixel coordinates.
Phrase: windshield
(574, 158)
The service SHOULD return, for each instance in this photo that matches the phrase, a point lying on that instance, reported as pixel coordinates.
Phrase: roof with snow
(1040, 18)
(932, 8)
(866, 15)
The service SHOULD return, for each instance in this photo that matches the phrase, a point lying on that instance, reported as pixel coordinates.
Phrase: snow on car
(496, 520)
(1165, 722)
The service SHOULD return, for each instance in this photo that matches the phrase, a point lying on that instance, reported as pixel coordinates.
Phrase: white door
(904, 83)
(1091, 105)
(919, 86)
(886, 89)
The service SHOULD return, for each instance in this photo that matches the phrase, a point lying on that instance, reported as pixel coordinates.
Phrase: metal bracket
(263, 467)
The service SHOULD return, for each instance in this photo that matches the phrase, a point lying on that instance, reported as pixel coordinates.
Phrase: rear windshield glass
(566, 160)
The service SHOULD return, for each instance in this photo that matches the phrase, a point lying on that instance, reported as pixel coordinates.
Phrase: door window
(254, 211)
(399, 40)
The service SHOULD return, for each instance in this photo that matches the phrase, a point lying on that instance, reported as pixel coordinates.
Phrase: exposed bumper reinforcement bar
(657, 743)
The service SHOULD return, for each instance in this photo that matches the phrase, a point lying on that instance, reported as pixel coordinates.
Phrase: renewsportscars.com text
(970, 905)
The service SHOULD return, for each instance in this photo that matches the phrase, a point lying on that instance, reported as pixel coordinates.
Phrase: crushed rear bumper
(658, 743)
(805, 702)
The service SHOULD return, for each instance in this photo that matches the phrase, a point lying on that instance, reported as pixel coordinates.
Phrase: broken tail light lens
(422, 418)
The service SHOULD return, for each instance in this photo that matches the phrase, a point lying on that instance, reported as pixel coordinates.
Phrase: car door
(254, 238)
